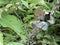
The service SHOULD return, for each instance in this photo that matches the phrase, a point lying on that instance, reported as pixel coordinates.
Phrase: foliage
(1, 38)
(15, 18)
(14, 43)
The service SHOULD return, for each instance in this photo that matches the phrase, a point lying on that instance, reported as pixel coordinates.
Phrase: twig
(55, 7)
(17, 15)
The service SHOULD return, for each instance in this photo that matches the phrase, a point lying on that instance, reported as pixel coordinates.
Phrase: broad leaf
(1, 38)
(14, 43)
(3, 2)
(24, 3)
(1, 12)
(37, 1)
(13, 23)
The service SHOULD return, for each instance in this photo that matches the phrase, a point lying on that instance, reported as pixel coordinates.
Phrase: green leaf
(1, 12)
(13, 23)
(24, 3)
(45, 41)
(15, 1)
(14, 43)
(1, 38)
(36, 1)
(3, 2)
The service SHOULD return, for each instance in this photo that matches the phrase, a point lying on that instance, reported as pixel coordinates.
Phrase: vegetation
(15, 18)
